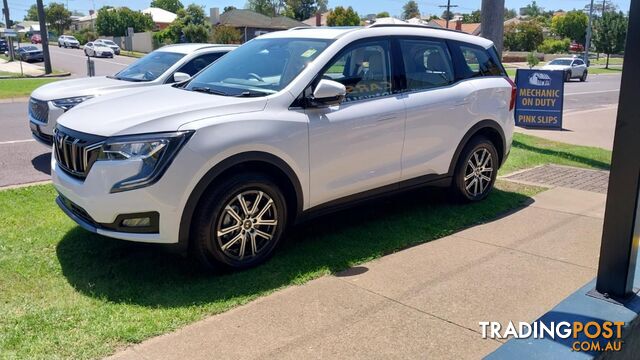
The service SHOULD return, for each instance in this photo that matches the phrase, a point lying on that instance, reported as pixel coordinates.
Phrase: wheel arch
(489, 128)
(248, 161)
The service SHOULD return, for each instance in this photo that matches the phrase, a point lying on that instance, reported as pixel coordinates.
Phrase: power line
(448, 6)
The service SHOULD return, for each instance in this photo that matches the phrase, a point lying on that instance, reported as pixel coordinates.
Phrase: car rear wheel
(583, 78)
(476, 170)
(239, 224)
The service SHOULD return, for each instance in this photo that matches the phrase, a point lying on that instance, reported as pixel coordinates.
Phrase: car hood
(555, 67)
(96, 86)
(152, 109)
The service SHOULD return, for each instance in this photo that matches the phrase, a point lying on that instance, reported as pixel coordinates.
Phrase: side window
(427, 64)
(364, 69)
(477, 61)
(198, 63)
(579, 62)
(89, 44)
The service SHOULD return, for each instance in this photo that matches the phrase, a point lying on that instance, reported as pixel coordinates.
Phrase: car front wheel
(567, 76)
(583, 78)
(239, 223)
(476, 170)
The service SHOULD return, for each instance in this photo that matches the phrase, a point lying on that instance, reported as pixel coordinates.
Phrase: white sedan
(572, 68)
(97, 50)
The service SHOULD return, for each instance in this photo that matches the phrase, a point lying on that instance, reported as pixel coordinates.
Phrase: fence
(141, 42)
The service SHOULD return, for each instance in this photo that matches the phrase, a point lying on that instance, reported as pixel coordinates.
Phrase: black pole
(7, 18)
(619, 246)
(44, 36)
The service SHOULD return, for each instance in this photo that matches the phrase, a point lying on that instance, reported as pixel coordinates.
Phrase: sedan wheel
(583, 78)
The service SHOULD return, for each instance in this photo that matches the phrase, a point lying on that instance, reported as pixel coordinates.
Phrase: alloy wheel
(247, 225)
(478, 172)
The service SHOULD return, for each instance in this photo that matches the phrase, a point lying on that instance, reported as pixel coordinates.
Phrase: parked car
(4, 47)
(97, 50)
(576, 47)
(110, 44)
(290, 124)
(30, 53)
(164, 66)
(572, 68)
(36, 39)
(68, 41)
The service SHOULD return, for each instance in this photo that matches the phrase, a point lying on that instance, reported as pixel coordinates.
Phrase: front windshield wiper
(251, 93)
(208, 90)
(126, 79)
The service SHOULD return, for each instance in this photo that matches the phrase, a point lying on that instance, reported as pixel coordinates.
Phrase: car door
(577, 68)
(436, 103)
(356, 146)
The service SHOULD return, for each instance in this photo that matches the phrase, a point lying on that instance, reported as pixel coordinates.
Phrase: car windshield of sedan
(260, 67)
(29, 48)
(149, 67)
(560, 62)
(108, 42)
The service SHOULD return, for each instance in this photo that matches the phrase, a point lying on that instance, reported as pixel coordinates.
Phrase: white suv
(166, 65)
(289, 125)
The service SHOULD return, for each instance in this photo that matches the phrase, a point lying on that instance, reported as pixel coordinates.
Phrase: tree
(228, 8)
(190, 25)
(410, 10)
(58, 17)
(169, 5)
(300, 9)
(572, 25)
(509, 13)
(322, 6)
(610, 33)
(609, 6)
(32, 13)
(264, 7)
(223, 34)
(532, 9)
(532, 59)
(343, 17)
(383, 14)
(525, 36)
(447, 15)
(114, 22)
(474, 17)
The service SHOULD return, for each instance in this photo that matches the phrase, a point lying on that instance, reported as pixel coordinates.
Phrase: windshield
(29, 48)
(560, 62)
(260, 67)
(149, 67)
(107, 42)
(71, 38)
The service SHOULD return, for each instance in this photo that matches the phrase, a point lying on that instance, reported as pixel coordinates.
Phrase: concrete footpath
(425, 301)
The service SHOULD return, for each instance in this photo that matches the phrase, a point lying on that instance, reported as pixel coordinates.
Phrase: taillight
(512, 102)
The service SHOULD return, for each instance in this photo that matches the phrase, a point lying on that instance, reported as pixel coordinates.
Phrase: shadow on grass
(143, 274)
(562, 154)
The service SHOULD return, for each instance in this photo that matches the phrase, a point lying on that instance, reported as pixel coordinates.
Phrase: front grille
(39, 110)
(75, 152)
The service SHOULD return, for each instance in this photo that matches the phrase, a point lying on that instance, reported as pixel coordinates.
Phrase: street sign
(10, 33)
(539, 99)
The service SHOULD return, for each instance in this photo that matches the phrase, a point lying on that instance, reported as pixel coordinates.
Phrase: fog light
(137, 222)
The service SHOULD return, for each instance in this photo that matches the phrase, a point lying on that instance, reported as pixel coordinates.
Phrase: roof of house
(473, 28)
(89, 17)
(323, 19)
(248, 18)
(160, 15)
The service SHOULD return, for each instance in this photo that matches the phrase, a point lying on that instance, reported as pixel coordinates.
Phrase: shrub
(554, 46)
(532, 59)
(223, 34)
(85, 35)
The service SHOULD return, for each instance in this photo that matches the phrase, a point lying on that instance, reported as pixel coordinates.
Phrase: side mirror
(327, 93)
(180, 77)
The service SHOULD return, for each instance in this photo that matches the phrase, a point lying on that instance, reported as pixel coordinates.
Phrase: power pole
(587, 44)
(44, 35)
(448, 6)
(492, 22)
(5, 10)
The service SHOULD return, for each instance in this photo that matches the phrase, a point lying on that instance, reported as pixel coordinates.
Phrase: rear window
(474, 61)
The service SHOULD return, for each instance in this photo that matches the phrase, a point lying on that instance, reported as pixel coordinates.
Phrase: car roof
(566, 58)
(190, 48)
(379, 30)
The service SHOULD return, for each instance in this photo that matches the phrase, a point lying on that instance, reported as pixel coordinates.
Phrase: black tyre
(476, 170)
(583, 78)
(567, 76)
(239, 223)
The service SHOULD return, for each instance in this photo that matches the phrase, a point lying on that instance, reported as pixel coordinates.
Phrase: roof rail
(374, 25)
(299, 28)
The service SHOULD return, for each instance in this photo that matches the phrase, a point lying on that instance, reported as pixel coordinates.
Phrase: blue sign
(540, 94)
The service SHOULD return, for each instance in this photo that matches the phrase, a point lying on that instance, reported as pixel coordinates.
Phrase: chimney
(318, 19)
(214, 16)
(459, 25)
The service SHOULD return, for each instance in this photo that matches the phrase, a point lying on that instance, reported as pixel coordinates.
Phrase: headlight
(68, 103)
(154, 152)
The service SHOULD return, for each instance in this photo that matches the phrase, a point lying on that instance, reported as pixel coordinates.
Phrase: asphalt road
(75, 62)
(22, 160)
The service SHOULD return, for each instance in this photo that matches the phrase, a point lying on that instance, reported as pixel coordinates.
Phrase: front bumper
(42, 131)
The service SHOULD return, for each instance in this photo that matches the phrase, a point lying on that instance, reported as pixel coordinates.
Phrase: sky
(18, 8)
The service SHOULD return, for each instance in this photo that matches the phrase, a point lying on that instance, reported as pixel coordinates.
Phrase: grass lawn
(592, 70)
(135, 54)
(68, 293)
(20, 87)
(603, 61)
